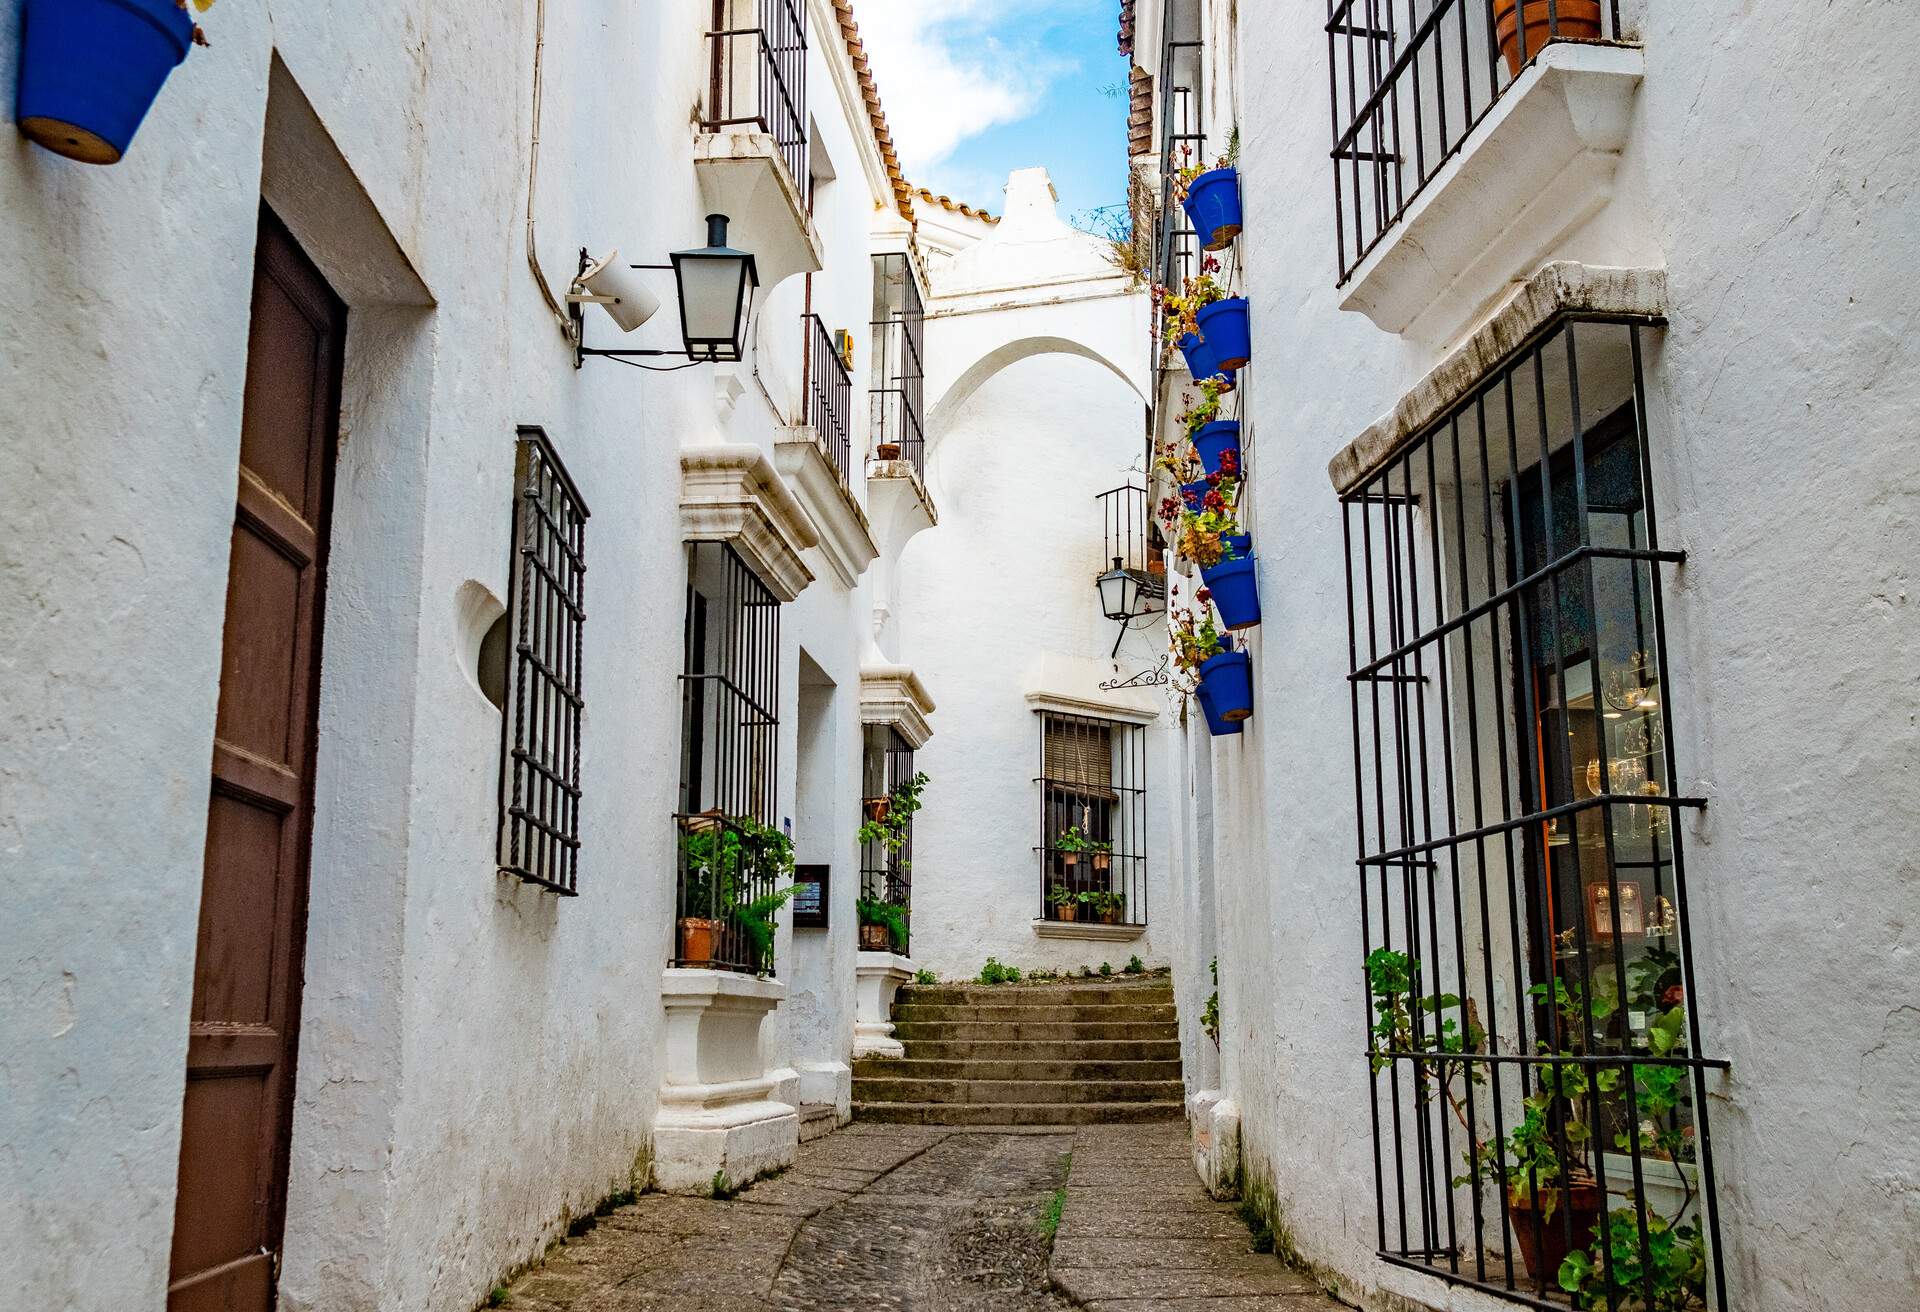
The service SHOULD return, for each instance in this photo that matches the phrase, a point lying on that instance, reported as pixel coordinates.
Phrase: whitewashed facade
(1739, 185)
(479, 1060)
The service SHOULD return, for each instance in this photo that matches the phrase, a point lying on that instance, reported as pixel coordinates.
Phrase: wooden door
(253, 904)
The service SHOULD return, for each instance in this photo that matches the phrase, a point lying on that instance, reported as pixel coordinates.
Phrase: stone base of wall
(1214, 1122)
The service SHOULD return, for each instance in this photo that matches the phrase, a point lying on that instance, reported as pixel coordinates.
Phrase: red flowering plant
(1193, 638)
(1179, 312)
(1204, 411)
(1196, 521)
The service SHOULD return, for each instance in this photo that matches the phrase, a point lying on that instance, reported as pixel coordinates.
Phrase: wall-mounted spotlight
(715, 285)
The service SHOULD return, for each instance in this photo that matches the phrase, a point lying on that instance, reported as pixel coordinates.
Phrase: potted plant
(886, 451)
(1228, 679)
(90, 70)
(1224, 327)
(1071, 844)
(1102, 854)
(876, 809)
(1545, 20)
(1108, 906)
(1180, 324)
(1211, 198)
(1233, 584)
(1196, 643)
(883, 925)
(1064, 902)
(719, 855)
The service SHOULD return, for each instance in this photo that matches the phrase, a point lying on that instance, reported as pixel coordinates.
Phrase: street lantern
(1119, 593)
(716, 286)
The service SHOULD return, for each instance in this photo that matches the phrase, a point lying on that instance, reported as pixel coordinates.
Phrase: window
(1411, 79)
(899, 378)
(731, 856)
(886, 863)
(757, 78)
(539, 837)
(1093, 822)
(1540, 1090)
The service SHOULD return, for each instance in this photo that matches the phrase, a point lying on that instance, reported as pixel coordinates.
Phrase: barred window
(899, 378)
(539, 838)
(886, 867)
(1093, 788)
(1540, 1086)
(730, 850)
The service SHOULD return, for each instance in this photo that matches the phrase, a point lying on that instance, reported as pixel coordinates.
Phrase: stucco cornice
(893, 695)
(1559, 288)
(1068, 704)
(732, 493)
(846, 538)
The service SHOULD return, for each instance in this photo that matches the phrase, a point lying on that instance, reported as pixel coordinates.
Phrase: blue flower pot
(1227, 339)
(1214, 440)
(1213, 204)
(1193, 494)
(1239, 547)
(1216, 726)
(90, 69)
(1228, 680)
(1195, 352)
(1236, 593)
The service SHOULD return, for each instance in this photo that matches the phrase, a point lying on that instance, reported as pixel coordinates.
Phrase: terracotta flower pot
(1065, 910)
(1543, 1253)
(878, 809)
(875, 938)
(1156, 565)
(1069, 858)
(887, 451)
(1110, 916)
(1578, 20)
(1102, 860)
(696, 940)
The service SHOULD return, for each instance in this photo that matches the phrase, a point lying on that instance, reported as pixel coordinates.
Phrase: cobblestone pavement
(931, 1220)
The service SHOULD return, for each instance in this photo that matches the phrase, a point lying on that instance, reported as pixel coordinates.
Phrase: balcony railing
(886, 868)
(758, 77)
(1411, 79)
(899, 377)
(1130, 540)
(729, 871)
(1183, 141)
(829, 397)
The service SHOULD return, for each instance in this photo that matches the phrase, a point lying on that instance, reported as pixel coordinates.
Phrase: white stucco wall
(1782, 397)
(477, 1059)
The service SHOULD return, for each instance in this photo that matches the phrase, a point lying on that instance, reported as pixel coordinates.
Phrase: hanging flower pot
(1235, 546)
(1102, 860)
(1236, 592)
(1224, 333)
(1228, 679)
(1214, 440)
(1069, 859)
(1216, 726)
(90, 70)
(878, 809)
(1213, 204)
(1561, 20)
(1194, 495)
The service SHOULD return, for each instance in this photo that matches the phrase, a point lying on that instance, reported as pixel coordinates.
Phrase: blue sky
(974, 89)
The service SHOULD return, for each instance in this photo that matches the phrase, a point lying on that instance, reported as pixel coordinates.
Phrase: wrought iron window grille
(1093, 819)
(886, 868)
(729, 851)
(757, 77)
(1540, 1085)
(829, 395)
(899, 377)
(539, 836)
(1409, 80)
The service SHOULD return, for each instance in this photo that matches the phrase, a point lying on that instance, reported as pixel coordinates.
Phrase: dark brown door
(253, 900)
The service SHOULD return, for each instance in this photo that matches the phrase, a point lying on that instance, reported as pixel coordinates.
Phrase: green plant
(756, 921)
(1072, 840)
(1060, 895)
(1106, 968)
(722, 853)
(995, 973)
(722, 1188)
(925, 976)
(1673, 1272)
(1260, 1232)
(877, 911)
(1134, 965)
(1194, 638)
(499, 1297)
(902, 803)
(1050, 1219)
(1210, 1014)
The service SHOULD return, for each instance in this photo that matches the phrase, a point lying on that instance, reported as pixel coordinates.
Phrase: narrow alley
(934, 1220)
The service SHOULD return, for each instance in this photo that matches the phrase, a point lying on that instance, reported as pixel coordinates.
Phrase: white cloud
(950, 69)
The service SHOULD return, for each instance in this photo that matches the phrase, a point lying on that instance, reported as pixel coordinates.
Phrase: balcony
(816, 455)
(1467, 147)
(751, 152)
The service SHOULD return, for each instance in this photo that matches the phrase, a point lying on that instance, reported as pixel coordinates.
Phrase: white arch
(974, 376)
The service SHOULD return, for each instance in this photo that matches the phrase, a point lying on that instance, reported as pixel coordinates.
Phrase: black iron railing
(886, 865)
(539, 838)
(829, 397)
(1093, 820)
(1130, 539)
(757, 51)
(730, 730)
(899, 376)
(1410, 79)
(728, 871)
(1540, 1084)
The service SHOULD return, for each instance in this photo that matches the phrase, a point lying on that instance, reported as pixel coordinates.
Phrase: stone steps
(1036, 1068)
(1070, 1053)
(1017, 1113)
